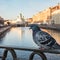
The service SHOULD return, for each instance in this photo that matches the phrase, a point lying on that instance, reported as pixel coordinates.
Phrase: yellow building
(47, 15)
(29, 20)
(56, 17)
(42, 16)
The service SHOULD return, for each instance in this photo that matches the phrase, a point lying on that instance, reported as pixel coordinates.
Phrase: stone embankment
(4, 29)
(52, 27)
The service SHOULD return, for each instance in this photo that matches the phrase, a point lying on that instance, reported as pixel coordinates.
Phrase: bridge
(37, 51)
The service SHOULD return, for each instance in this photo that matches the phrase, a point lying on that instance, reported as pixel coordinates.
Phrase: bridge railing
(31, 57)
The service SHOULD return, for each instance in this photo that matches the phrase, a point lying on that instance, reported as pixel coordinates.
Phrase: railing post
(41, 54)
(5, 54)
(13, 54)
(11, 51)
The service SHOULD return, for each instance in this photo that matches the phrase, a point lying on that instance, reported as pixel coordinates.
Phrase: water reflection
(54, 33)
(3, 35)
(22, 36)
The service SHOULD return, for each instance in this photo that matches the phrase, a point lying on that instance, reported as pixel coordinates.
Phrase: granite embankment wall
(4, 29)
(52, 27)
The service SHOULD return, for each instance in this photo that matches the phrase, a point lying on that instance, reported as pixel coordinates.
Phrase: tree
(1, 20)
(8, 23)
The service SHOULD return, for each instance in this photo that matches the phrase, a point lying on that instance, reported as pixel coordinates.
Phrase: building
(56, 17)
(20, 19)
(42, 16)
(48, 15)
(29, 20)
(1, 21)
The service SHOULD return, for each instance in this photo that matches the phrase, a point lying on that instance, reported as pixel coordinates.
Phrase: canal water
(22, 36)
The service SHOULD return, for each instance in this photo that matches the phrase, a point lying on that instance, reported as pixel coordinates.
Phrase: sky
(10, 9)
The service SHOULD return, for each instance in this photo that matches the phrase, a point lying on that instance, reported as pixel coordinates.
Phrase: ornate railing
(31, 57)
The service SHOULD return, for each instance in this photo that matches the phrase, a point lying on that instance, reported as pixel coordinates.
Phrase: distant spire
(58, 3)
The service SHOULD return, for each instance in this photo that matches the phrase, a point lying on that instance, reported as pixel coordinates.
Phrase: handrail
(56, 51)
(34, 49)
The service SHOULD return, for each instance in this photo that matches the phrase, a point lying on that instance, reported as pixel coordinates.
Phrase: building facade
(48, 16)
(56, 17)
(1, 20)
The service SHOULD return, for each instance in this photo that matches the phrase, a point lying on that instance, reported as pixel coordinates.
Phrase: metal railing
(31, 57)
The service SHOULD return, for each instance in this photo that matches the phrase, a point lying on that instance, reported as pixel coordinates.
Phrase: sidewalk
(2, 30)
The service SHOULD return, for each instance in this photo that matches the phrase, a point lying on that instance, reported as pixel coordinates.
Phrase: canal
(22, 36)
